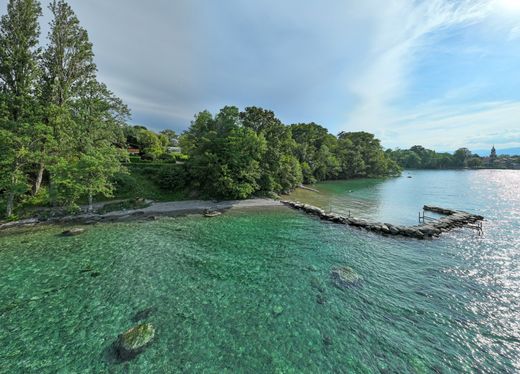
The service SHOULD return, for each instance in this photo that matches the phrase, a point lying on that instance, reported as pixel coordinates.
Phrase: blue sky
(441, 73)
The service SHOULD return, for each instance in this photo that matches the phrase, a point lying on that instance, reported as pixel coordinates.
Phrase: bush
(40, 199)
(124, 183)
(181, 157)
(172, 177)
(149, 157)
(168, 157)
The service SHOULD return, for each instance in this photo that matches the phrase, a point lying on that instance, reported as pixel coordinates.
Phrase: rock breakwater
(452, 219)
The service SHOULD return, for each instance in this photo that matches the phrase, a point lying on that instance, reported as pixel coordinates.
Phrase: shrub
(168, 157)
(172, 177)
(148, 157)
(124, 183)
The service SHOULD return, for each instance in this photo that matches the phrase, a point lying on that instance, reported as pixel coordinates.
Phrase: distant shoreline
(461, 169)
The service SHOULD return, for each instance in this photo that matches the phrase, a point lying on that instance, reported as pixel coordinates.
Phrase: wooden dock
(429, 228)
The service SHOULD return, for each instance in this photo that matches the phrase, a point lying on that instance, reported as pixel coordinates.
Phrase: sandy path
(172, 208)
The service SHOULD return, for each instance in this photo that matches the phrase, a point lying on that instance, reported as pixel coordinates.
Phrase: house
(133, 151)
(174, 149)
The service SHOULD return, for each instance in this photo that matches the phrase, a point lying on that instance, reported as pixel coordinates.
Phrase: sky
(440, 73)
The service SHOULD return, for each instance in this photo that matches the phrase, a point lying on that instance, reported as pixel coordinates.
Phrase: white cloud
(448, 127)
(405, 27)
(515, 33)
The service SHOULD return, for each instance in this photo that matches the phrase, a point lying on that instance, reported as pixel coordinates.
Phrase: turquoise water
(251, 291)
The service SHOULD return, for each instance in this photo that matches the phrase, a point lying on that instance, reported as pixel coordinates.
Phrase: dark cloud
(171, 59)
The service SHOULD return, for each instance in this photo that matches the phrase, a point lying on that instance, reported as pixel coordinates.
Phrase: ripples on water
(446, 305)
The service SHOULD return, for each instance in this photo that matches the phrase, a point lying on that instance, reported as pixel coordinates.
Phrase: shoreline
(160, 209)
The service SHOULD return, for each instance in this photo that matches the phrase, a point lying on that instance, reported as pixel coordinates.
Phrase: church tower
(493, 154)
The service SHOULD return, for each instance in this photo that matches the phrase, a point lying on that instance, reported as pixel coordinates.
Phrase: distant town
(495, 161)
(418, 157)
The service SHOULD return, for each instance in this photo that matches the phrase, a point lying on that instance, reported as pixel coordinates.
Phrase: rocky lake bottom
(274, 290)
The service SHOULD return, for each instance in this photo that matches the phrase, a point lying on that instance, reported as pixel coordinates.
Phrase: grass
(141, 182)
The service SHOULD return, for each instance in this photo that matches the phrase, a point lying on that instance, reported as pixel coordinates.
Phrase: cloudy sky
(441, 73)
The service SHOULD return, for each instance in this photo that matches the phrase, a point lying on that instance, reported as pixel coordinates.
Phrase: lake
(251, 291)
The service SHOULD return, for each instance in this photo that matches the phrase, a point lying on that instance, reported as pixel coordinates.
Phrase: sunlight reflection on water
(492, 261)
(445, 305)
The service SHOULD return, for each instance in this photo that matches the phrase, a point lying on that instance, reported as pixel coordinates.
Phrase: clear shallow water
(447, 305)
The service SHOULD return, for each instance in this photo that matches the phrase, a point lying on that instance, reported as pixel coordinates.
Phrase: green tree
(460, 156)
(224, 156)
(150, 143)
(279, 152)
(19, 32)
(19, 53)
(87, 174)
(367, 157)
(85, 116)
(314, 150)
(15, 155)
(68, 65)
(474, 162)
(171, 136)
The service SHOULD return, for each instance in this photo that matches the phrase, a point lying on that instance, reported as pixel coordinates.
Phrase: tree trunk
(90, 205)
(39, 178)
(10, 204)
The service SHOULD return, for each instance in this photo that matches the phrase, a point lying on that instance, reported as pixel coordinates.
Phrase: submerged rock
(134, 341)
(345, 277)
(73, 232)
(312, 268)
(277, 310)
(327, 340)
(316, 283)
(211, 213)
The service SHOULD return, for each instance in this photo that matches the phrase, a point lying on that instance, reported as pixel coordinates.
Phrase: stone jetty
(451, 220)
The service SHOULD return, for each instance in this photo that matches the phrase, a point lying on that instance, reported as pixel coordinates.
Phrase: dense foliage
(237, 154)
(418, 157)
(58, 124)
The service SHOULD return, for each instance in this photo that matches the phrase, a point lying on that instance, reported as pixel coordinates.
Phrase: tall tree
(19, 52)
(96, 148)
(279, 154)
(68, 65)
(19, 32)
(68, 61)
(86, 118)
